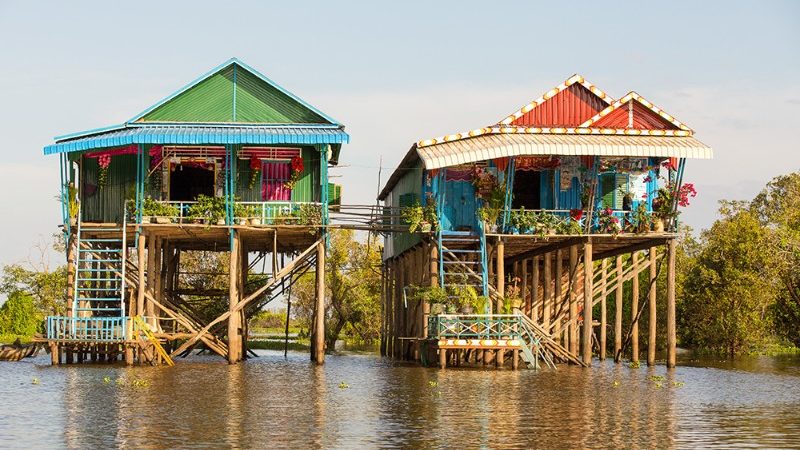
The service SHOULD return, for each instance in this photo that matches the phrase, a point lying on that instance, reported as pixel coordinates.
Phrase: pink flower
(648, 179)
(609, 211)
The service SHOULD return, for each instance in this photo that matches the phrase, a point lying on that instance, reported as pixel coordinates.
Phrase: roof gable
(233, 93)
(566, 105)
(634, 112)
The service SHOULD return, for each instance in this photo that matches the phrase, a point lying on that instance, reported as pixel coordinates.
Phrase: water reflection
(272, 402)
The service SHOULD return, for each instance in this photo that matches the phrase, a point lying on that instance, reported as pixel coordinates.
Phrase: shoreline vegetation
(738, 286)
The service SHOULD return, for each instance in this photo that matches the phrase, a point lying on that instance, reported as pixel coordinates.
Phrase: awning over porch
(202, 135)
(502, 145)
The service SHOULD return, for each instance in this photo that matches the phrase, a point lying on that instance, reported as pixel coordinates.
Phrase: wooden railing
(94, 329)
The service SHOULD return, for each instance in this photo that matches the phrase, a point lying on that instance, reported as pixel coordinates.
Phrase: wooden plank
(618, 309)
(319, 309)
(573, 300)
(651, 303)
(547, 289)
(671, 338)
(603, 312)
(635, 309)
(535, 290)
(501, 274)
(588, 277)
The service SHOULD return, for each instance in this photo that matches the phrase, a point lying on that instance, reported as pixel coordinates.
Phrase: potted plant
(72, 203)
(607, 222)
(489, 216)
(668, 198)
(569, 227)
(309, 214)
(241, 213)
(207, 209)
(414, 216)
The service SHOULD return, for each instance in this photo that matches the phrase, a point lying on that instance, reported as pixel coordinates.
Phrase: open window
(527, 189)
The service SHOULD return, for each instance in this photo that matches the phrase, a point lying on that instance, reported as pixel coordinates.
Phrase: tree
(47, 286)
(352, 300)
(730, 286)
(19, 315)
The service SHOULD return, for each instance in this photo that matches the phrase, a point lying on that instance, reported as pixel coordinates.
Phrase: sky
(398, 72)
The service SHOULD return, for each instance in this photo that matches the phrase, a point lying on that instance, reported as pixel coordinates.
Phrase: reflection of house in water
(548, 213)
(230, 163)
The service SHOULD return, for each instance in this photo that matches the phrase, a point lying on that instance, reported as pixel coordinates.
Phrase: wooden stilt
(651, 304)
(573, 299)
(515, 359)
(547, 289)
(588, 276)
(671, 338)
(535, 290)
(618, 310)
(501, 274)
(54, 359)
(558, 303)
(500, 358)
(319, 309)
(142, 262)
(524, 291)
(603, 324)
(442, 358)
(234, 342)
(635, 309)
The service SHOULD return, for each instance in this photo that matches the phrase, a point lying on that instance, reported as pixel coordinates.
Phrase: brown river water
(272, 402)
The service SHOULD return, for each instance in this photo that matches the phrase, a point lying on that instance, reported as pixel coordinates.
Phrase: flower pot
(162, 220)
(147, 220)
(255, 221)
(437, 308)
(658, 225)
(241, 221)
(425, 227)
(220, 221)
(467, 309)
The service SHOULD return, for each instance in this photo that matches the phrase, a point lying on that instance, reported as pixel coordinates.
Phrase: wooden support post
(319, 308)
(54, 358)
(434, 281)
(525, 291)
(500, 358)
(244, 266)
(71, 266)
(618, 310)
(515, 359)
(547, 285)
(573, 299)
(151, 275)
(588, 276)
(234, 320)
(442, 358)
(142, 262)
(559, 274)
(635, 309)
(501, 274)
(535, 290)
(651, 304)
(603, 335)
(671, 338)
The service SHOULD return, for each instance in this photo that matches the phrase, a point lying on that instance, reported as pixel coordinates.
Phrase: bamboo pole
(319, 309)
(651, 304)
(618, 310)
(671, 338)
(588, 276)
(635, 310)
(603, 318)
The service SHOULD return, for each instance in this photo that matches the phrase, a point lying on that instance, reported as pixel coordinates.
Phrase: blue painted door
(460, 209)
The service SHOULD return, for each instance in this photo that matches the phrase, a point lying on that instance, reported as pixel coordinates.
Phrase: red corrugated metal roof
(569, 108)
(634, 115)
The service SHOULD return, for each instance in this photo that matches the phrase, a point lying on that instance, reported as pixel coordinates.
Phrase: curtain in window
(274, 176)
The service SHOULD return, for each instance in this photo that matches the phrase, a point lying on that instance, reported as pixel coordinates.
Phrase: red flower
(255, 164)
(576, 214)
(647, 179)
(297, 164)
(609, 211)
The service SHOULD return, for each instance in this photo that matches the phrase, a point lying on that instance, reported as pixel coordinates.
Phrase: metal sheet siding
(643, 119)
(106, 204)
(259, 102)
(211, 100)
(501, 145)
(204, 135)
(308, 185)
(569, 108)
(411, 182)
(569, 198)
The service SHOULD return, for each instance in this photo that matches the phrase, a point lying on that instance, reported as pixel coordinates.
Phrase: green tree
(730, 286)
(46, 285)
(352, 303)
(19, 315)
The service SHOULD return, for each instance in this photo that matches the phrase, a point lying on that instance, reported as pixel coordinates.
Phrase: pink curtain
(274, 176)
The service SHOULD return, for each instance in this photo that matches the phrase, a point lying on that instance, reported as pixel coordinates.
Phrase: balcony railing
(474, 326)
(257, 213)
(94, 329)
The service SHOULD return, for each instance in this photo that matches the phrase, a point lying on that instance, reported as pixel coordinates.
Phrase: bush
(19, 316)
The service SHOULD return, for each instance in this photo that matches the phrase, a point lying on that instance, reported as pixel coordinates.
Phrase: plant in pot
(639, 220)
(546, 223)
(512, 300)
(414, 216)
(668, 198)
(489, 217)
(569, 227)
(309, 214)
(72, 203)
(435, 296)
(209, 210)
(242, 213)
(607, 222)
(429, 216)
(518, 221)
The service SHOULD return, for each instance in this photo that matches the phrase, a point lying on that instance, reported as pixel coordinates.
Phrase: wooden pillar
(442, 358)
(515, 359)
(244, 267)
(433, 279)
(142, 262)
(501, 274)
(547, 289)
(618, 310)
(671, 338)
(71, 251)
(635, 308)
(54, 358)
(603, 335)
(573, 299)
(559, 273)
(524, 291)
(500, 358)
(651, 304)
(535, 290)
(152, 243)
(588, 275)
(319, 309)
(234, 320)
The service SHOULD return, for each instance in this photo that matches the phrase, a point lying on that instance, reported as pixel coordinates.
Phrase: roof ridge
(634, 96)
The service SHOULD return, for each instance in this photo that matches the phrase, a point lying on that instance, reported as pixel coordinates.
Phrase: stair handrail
(124, 259)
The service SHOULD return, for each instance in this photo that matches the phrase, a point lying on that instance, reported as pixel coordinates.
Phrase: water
(272, 402)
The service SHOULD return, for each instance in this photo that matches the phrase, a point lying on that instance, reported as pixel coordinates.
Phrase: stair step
(463, 262)
(100, 260)
(118, 240)
(100, 250)
(462, 251)
(79, 279)
(99, 310)
(97, 230)
(98, 299)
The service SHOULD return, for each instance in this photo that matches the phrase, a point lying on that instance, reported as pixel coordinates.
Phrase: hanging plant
(297, 169)
(255, 171)
(103, 162)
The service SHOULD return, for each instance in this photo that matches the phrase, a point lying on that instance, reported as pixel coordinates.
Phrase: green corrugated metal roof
(233, 93)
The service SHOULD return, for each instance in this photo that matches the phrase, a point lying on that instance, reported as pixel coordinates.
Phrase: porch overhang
(493, 146)
(200, 134)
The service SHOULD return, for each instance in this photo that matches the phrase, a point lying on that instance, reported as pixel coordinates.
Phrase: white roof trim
(502, 145)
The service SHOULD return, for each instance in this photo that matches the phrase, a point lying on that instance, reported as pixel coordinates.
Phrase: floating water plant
(343, 385)
(106, 380)
(432, 384)
(35, 381)
(634, 364)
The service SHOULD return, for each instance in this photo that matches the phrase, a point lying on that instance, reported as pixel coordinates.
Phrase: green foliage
(420, 218)
(19, 315)
(267, 319)
(309, 214)
(154, 208)
(210, 209)
(242, 211)
(47, 287)
(569, 226)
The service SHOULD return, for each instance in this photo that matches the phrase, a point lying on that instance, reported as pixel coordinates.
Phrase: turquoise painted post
(323, 191)
(512, 166)
(140, 175)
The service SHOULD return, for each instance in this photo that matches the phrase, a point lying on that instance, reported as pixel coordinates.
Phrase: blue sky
(397, 72)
